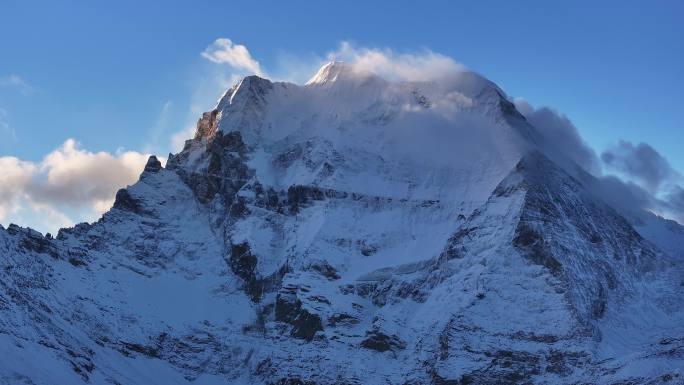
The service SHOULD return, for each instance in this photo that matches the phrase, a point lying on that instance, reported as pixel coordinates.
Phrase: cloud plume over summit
(423, 65)
(561, 133)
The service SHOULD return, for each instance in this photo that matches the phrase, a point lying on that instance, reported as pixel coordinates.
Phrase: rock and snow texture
(353, 230)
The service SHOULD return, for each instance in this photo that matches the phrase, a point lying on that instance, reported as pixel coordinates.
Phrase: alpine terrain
(352, 230)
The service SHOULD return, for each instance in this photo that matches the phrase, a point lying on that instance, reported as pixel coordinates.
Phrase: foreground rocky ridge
(309, 235)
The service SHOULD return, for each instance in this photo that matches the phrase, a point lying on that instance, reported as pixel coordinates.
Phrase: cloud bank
(642, 178)
(653, 183)
(562, 134)
(641, 162)
(69, 185)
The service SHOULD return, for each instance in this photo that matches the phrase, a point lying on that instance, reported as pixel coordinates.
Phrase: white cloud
(223, 50)
(16, 81)
(69, 185)
(421, 66)
(15, 175)
(73, 175)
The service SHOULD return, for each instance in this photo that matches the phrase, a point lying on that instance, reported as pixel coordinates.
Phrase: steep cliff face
(350, 231)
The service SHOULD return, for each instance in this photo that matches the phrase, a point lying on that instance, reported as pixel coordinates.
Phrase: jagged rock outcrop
(153, 164)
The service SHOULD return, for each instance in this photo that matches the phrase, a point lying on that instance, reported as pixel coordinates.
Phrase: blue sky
(130, 75)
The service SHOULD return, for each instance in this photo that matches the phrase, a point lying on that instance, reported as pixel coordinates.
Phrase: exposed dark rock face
(150, 351)
(556, 205)
(518, 367)
(300, 196)
(532, 242)
(225, 169)
(506, 368)
(289, 309)
(153, 164)
(292, 381)
(34, 241)
(243, 263)
(125, 201)
(206, 125)
(342, 319)
(508, 108)
(381, 342)
(453, 248)
(325, 270)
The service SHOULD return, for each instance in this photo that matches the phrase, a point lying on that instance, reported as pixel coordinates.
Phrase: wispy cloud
(18, 83)
(6, 130)
(162, 125)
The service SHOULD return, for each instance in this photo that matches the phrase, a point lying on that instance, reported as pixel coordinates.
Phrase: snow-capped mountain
(353, 230)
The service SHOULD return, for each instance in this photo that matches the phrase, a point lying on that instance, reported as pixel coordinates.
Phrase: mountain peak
(417, 226)
(335, 71)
